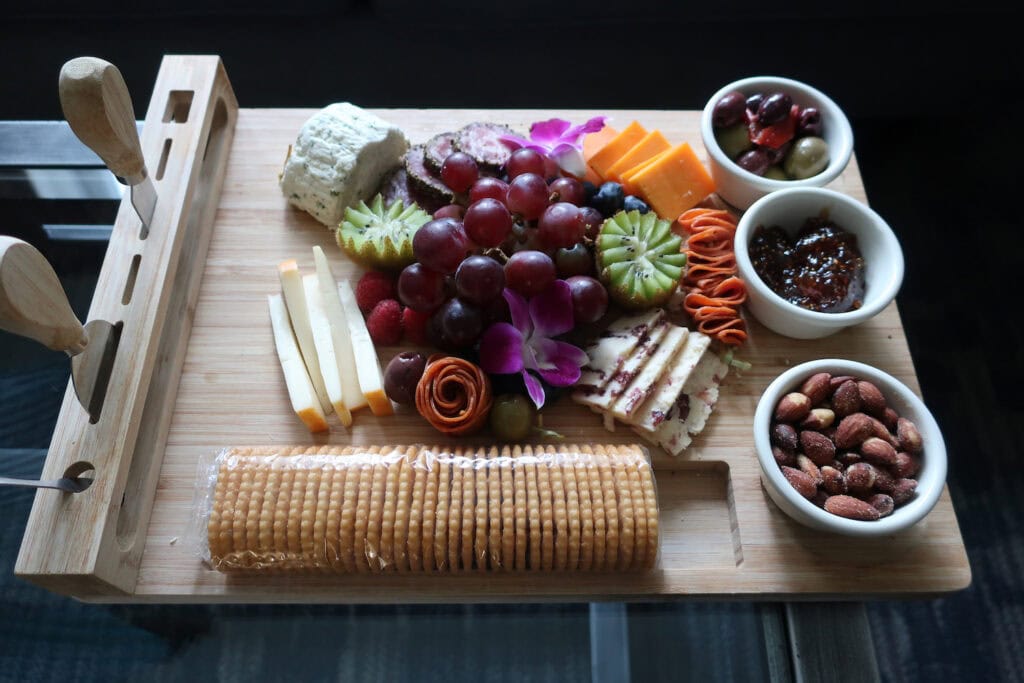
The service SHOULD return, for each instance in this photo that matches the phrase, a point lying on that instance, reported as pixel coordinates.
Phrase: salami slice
(422, 179)
(482, 141)
(437, 150)
(395, 185)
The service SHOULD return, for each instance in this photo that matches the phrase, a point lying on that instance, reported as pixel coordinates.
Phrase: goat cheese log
(339, 158)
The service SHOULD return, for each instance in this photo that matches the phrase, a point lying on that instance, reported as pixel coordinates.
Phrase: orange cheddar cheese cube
(677, 181)
(604, 158)
(627, 176)
(650, 146)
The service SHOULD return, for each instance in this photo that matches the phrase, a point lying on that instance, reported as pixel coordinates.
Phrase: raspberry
(415, 324)
(385, 323)
(375, 286)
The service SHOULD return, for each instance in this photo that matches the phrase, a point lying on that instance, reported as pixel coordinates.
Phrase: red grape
(450, 211)
(593, 219)
(551, 169)
(488, 222)
(575, 260)
(529, 272)
(479, 279)
(568, 190)
(524, 161)
(461, 322)
(495, 188)
(459, 172)
(561, 225)
(420, 288)
(528, 196)
(440, 244)
(589, 299)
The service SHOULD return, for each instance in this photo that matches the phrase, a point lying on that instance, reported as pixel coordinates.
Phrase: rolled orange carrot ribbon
(454, 395)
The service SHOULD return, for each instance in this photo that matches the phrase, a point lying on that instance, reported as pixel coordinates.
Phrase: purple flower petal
(501, 349)
(549, 132)
(520, 311)
(559, 362)
(534, 389)
(569, 159)
(572, 136)
(514, 141)
(551, 310)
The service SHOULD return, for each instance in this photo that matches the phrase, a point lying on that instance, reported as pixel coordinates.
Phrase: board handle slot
(129, 284)
(162, 166)
(179, 104)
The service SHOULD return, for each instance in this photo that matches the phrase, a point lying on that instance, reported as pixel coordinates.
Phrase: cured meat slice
(482, 141)
(396, 185)
(437, 149)
(422, 179)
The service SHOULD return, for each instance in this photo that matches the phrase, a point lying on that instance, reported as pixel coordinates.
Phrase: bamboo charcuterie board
(721, 535)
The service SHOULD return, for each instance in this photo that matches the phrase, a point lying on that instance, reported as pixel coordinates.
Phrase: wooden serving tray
(721, 535)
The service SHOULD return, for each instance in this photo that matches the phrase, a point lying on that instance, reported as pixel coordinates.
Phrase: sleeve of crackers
(419, 509)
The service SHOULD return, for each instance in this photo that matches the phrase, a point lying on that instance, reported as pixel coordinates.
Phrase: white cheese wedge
(295, 299)
(324, 341)
(609, 352)
(371, 379)
(670, 386)
(643, 384)
(675, 434)
(340, 334)
(296, 377)
(603, 399)
(340, 156)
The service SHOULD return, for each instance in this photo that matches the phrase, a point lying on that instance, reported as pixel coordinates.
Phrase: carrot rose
(453, 395)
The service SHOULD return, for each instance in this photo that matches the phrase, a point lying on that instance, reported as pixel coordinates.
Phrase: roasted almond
(849, 458)
(889, 419)
(817, 447)
(851, 508)
(883, 503)
(793, 407)
(783, 457)
(846, 399)
(904, 491)
(817, 387)
(784, 436)
(818, 419)
(836, 465)
(908, 436)
(809, 468)
(906, 465)
(871, 400)
(803, 483)
(838, 381)
(833, 480)
(879, 430)
(852, 430)
(878, 452)
(860, 477)
(884, 481)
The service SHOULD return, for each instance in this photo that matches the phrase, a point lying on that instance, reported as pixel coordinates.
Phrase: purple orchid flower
(526, 344)
(560, 140)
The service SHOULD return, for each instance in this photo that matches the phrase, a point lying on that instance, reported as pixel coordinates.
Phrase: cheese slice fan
(33, 305)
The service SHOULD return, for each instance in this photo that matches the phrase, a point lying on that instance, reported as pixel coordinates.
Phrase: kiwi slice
(638, 259)
(380, 236)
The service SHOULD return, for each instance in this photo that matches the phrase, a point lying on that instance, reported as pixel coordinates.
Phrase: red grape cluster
(532, 219)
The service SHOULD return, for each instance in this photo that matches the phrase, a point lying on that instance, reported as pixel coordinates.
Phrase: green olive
(776, 173)
(807, 157)
(511, 417)
(734, 140)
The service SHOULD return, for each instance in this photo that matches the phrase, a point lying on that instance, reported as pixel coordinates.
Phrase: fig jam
(821, 270)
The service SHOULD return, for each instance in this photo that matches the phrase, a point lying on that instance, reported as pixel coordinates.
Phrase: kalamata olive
(809, 124)
(728, 111)
(754, 101)
(774, 108)
(755, 161)
(734, 140)
(808, 157)
(402, 375)
(776, 173)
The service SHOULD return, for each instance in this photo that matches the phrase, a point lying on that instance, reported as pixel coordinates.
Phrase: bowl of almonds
(847, 448)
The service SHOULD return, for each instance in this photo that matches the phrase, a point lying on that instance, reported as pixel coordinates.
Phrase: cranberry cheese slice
(647, 346)
(671, 384)
(626, 406)
(611, 350)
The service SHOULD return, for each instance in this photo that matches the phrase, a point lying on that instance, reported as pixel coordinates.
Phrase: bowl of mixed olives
(768, 133)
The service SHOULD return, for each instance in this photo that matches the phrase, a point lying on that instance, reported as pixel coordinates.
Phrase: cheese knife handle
(97, 105)
(32, 300)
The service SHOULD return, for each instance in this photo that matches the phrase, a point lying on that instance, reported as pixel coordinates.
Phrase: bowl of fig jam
(816, 261)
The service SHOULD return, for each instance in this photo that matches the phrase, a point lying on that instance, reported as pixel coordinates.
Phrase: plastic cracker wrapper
(415, 509)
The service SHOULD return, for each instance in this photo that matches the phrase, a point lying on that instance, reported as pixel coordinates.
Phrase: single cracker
(216, 510)
(561, 516)
(651, 500)
(430, 509)
(363, 511)
(572, 511)
(533, 516)
(506, 557)
(611, 509)
(309, 510)
(237, 557)
(349, 504)
(334, 506)
(455, 512)
(597, 507)
(492, 557)
(481, 465)
(252, 519)
(522, 537)
(627, 518)
(227, 516)
(295, 511)
(323, 502)
(403, 509)
(372, 541)
(470, 508)
(416, 512)
(444, 490)
(393, 462)
(266, 523)
(547, 511)
(579, 469)
(281, 507)
(636, 492)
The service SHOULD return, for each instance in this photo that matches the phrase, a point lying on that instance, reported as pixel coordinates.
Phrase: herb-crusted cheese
(340, 156)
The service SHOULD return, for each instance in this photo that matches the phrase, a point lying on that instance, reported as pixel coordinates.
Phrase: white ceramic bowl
(742, 188)
(930, 479)
(883, 259)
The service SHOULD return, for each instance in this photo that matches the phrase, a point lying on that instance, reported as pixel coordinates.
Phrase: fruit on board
(512, 417)
(380, 236)
(402, 375)
(638, 259)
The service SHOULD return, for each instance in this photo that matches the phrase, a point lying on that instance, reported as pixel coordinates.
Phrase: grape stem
(497, 254)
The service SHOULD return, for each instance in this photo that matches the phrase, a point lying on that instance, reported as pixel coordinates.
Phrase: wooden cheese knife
(33, 305)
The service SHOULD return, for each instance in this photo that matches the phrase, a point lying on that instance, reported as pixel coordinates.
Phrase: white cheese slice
(324, 341)
(609, 352)
(296, 377)
(671, 384)
(675, 434)
(603, 399)
(339, 157)
(351, 392)
(295, 299)
(643, 384)
(371, 379)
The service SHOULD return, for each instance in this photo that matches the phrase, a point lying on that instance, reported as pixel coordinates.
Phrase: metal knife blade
(90, 369)
(144, 200)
